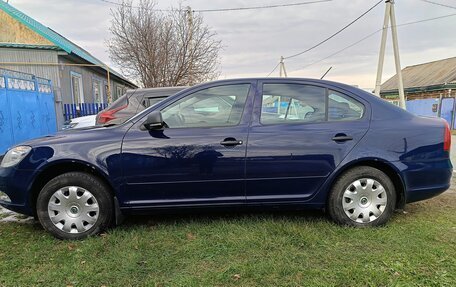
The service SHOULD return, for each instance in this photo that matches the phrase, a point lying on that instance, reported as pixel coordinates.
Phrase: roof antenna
(327, 71)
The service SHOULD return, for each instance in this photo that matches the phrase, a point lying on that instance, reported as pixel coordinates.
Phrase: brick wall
(427, 95)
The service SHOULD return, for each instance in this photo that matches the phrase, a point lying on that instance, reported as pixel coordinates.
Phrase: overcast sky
(254, 40)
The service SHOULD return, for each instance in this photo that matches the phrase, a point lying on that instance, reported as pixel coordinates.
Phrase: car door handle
(230, 142)
(342, 138)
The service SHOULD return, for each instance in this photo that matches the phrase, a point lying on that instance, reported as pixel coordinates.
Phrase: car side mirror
(154, 121)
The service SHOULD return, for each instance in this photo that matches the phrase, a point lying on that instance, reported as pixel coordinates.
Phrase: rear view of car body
(423, 145)
(414, 151)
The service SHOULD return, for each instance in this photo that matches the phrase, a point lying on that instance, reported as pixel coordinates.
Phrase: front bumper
(16, 183)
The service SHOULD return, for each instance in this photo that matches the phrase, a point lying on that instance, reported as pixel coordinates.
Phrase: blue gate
(436, 107)
(424, 107)
(446, 109)
(26, 108)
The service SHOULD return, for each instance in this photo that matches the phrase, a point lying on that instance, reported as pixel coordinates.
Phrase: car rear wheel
(362, 197)
(75, 205)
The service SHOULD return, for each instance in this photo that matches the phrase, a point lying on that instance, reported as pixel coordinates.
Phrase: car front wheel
(362, 197)
(75, 205)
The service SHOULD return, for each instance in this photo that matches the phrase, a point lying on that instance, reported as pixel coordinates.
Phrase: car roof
(383, 109)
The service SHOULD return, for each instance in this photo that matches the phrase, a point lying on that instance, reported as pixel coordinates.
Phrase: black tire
(86, 181)
(336, 196)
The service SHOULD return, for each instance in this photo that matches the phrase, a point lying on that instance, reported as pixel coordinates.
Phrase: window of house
(343, 108)
(293, 103)
(150, 101)
(97, 91)
(213, 107)
(119, 92)
(77, 88)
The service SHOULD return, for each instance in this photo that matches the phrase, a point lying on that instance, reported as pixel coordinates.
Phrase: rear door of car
(300, 132)
(199, 157)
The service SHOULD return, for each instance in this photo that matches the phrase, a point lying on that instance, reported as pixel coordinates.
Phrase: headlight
(15, 155)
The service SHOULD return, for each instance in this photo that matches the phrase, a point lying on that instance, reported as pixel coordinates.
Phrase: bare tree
(162, 48)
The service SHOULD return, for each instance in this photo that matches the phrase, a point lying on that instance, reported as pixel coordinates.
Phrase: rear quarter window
(343, 108)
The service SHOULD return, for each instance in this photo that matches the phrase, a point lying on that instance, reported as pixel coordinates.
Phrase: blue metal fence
(443, 107)
(72, 111)
(27, 108)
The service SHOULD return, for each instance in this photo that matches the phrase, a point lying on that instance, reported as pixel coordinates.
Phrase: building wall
(32, 56)
(12, 31)
(88, 77)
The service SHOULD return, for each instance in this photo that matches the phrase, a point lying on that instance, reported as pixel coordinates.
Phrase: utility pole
(390, 17)
(283, 71)
(190, 44)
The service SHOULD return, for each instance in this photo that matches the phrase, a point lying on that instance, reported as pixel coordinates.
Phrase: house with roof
(430, 89)
(424, 81)
(77, 76)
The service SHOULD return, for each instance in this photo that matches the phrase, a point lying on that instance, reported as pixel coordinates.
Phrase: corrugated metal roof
(28, 46)
(54, 37)
(437, 73)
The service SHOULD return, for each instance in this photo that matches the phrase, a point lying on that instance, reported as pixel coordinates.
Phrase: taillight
(447, 138)
(109, 115)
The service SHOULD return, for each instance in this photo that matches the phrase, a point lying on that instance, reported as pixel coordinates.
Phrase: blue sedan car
(291, 143)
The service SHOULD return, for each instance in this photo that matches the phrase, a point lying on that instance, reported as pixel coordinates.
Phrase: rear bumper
(426, 179)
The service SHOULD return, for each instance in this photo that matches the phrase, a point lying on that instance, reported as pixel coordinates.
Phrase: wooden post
(109, 96)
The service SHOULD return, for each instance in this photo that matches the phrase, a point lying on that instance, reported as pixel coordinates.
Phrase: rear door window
(287, 103)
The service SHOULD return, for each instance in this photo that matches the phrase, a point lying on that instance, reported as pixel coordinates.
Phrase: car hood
(85, 135)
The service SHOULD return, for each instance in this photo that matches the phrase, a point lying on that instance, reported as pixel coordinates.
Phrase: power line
(372, 34)
(223, 9)
(341, 50)
(132, 6)
(333, 35)
(439, 4)
(273, 69)
(136, 7)
(261, 7)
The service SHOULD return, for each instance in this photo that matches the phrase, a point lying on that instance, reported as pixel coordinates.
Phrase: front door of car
(198, 158)
(299, 135)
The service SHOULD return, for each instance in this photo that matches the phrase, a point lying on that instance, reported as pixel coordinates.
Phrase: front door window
(213, 107)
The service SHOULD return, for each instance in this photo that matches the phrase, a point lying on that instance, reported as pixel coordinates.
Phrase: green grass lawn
(250, 249)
